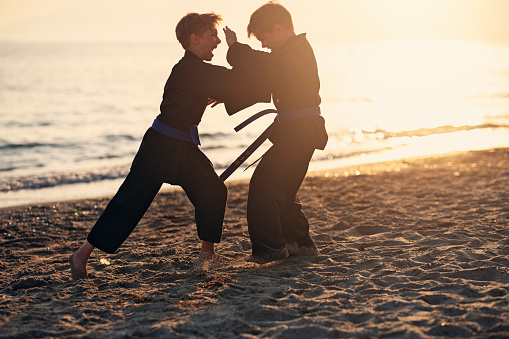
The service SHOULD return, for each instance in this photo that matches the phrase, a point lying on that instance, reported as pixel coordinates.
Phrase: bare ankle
(78, 261)
(207, 248)
(78, 268)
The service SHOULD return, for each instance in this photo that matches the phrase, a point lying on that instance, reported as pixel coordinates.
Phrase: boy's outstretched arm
(246, 79)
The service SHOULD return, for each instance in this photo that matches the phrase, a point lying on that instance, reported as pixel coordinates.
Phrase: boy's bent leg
(263, 210)
(274, 214)
(208, 193)
(294, 223)
(123, 212)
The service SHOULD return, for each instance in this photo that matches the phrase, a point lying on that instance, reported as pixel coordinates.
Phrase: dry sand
(416, 248)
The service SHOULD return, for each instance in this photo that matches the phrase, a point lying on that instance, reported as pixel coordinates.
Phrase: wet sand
(412, 248)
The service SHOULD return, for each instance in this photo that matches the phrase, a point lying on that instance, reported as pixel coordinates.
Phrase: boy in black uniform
(277, 226)
(169, 151)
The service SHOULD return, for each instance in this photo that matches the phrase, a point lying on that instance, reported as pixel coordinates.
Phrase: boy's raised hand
(231, 36)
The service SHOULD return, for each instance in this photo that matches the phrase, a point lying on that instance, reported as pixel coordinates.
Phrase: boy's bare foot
(78, 270)
(79, 259)
(266, 258)
(256, 260)
(302, 251)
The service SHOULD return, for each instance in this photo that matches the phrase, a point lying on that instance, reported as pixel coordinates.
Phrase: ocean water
(72, 115)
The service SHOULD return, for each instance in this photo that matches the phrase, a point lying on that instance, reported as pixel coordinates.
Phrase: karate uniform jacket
(290, 76)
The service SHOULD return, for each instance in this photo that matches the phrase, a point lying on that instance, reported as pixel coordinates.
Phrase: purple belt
(291, 115)
(191, 136)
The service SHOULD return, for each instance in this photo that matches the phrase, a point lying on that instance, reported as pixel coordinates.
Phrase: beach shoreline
(416, 247)
(106, 188)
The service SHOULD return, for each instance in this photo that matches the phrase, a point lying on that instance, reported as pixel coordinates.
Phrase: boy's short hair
(195, 23)
(264, 18)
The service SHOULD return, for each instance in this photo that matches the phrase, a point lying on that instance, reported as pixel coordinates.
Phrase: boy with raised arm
(169, 151)
(277, 226)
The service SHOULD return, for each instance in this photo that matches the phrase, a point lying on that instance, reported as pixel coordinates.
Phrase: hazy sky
(325, 21)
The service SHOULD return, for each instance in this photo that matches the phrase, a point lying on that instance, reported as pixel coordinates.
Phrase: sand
(417, 248)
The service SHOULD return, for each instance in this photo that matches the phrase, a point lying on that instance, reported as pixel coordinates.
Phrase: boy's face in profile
(207, 43)
(272, 40)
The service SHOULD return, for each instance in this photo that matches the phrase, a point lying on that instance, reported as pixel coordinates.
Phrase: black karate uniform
(290, 74)
(162, 159)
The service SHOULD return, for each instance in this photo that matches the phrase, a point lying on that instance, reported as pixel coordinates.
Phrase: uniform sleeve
(215, 81)
(232, 87)
(251, 80)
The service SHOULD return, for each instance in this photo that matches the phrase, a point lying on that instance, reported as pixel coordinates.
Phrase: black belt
(297, 114)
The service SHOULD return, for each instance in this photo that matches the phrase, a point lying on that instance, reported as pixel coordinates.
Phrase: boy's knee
(224, 190)
(260, 189)
(221, 191)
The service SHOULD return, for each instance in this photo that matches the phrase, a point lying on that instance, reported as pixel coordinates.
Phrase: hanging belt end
(193, 131)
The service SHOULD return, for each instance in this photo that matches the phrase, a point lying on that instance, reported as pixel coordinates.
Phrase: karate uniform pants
(159, 160)
(274, 213)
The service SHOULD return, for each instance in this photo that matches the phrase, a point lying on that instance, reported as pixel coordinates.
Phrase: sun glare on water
(430, 94)
(412, 84)
(417, 84)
